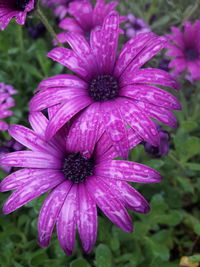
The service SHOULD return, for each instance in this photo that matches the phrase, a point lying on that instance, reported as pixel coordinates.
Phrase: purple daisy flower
(135, 26)
(61, 6)
(161, 150)
(15, 8)
(185, 48)
(6, 102)
(85, 18)
(121, 92)
(81, 175)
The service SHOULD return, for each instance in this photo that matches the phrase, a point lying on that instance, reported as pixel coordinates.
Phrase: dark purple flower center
(21, 4)
(191, 54)
(77, 168)
(103, 88)
(136, 26)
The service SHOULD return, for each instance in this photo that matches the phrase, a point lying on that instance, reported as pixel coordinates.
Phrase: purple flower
(15, 8)
(6, 102)
(161, 150)
(9, 146)
(61, 6)
(81, 177)
(85, 18)
(121, 93)
(135, 26)
(36, 31)
(185, 48)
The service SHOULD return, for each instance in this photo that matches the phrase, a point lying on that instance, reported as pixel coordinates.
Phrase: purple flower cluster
(184, 47)
(98, 113)
(6, 102)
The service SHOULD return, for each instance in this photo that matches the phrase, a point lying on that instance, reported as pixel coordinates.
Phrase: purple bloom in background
(135, 26)
(118, 89)
(184, 47)
(36, 31)
(6, 102)
(81, 175)
(14, 8)
(164, 64)
(7, 147)
(85, 18)
(161, 150)
(61, 6)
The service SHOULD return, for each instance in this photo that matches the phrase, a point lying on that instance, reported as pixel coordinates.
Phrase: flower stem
(20, 38)
(190, 13)
(47, 25)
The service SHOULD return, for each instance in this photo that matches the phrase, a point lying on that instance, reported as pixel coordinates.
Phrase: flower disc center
(103, 88)
(191, 54)
(137, 26)
(77, 168)
(21, 4)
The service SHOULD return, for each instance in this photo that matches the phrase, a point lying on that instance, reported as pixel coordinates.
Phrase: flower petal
(109, 203)
(70, 25)
(65, 113)
(69, 59)
(158, 113)
(86, 218)
(127, 171)
(139, 121)
(85, 130)
(62, 80)
(152, 76)
(130, 51)
(38, 122)
(115, 128)
(66, 224)
(49, 97)
(50, 211)
(32, 189)
(19, 178)
(130, 197)
(151, 94)
(31, 140)
(30, 159)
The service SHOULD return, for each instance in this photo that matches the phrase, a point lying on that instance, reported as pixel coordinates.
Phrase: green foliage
(172, 229)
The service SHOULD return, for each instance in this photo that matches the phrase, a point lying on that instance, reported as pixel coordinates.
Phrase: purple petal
(158, 113)
(62, 80)
(50, 97)
(70, 25)
(38, 122)
(128, 171)
(70, 60)
(50, 211)
(109, 41)
(87, 219)
(30, 159)
(147, 53)
(139, 121)
(151, 94)
(85, 131)
(65, 113)
(128, 195)
(115, 128)
(81, 47)
(31, 140)
(19, 178)
(66, 224)
(149, 76)
(130, 51)
(108, 202)
(32, 189)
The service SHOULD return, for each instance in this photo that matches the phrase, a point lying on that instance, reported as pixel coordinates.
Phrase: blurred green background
(172, 229)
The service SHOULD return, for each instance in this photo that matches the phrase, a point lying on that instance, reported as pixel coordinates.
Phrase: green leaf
(79, 263)
(103, 256)
(195, 258)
